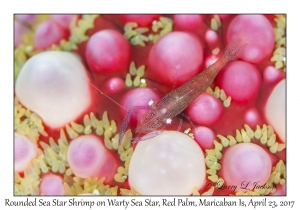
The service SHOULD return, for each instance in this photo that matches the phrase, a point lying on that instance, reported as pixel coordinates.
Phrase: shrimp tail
(235, 48)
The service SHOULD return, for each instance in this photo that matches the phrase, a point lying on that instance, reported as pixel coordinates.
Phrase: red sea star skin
(233, 117)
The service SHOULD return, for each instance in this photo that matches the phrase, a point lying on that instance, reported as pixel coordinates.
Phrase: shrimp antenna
(99, 89)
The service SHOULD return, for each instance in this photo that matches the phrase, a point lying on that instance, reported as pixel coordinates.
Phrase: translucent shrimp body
(177, 100)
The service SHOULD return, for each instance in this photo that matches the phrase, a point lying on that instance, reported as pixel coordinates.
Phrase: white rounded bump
(150, 102)
(169, 121)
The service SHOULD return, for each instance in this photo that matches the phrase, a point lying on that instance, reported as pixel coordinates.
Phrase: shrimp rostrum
(161, 113)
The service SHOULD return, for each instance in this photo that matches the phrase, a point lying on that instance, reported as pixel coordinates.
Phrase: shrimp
(161, 113)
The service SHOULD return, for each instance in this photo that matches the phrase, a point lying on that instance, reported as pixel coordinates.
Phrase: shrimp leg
(189, 119)
(180, 123)
(149, 135)
(126, 120)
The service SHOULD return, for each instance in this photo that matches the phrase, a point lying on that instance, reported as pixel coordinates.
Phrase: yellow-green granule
(215, 23)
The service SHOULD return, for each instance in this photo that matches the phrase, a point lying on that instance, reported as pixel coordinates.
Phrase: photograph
(175, 104)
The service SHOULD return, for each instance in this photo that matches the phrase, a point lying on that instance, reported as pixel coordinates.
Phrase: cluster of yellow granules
(159, 28)
(279, 54)
(220, 94)
(28, 123)
(138, 73)
(53, 157)
(266, 136)
(78, 34)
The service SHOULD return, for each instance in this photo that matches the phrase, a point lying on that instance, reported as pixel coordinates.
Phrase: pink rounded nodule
(175, 58)
(114, 85)
(107, 51)
(204, 136)
(211, 36)
(48, 33)
(252, 117)
(272, 75)
(52, 184)
(24, 151)
(257, 31)
(246, 163)
(205, 110)
(240, 80)
(86, 156)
